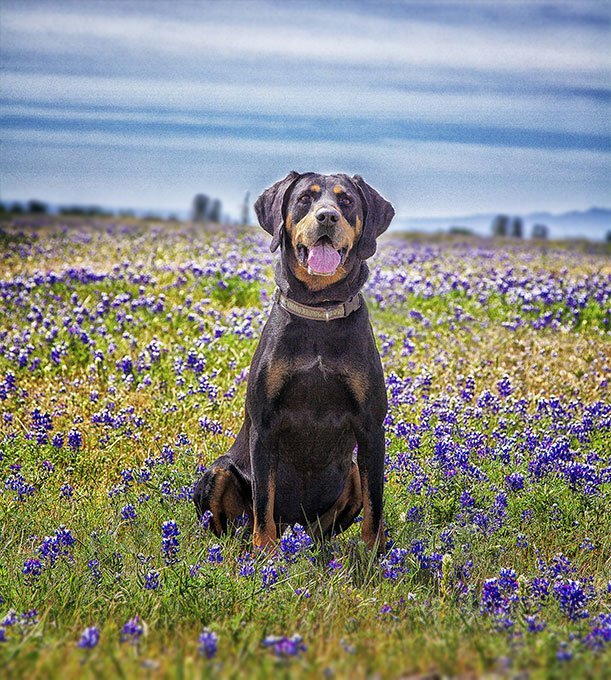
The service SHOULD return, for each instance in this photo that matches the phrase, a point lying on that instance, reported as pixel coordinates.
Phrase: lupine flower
(132, 631)
(205, 519)
(515, 481)
(269, 575)
(572, 597)
(89, 638)
(169, 542)
(600, 632)
(247, 566)
(32, 570)
(394, 563)
(151, 580)
(75, 439)
(208, 643)
(295, 540)
(285, 647)
(564, 653)
(214, 554)
(56, 546)
(128, 513)
(534, 625)
(499, 595)
(66, 491)
(94, 567)
(504, 386)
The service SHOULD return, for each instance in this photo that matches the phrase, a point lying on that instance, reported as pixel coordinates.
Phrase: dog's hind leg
(223, 492)
(345, 509)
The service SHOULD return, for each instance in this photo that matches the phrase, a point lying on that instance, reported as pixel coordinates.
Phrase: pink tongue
(323, 259)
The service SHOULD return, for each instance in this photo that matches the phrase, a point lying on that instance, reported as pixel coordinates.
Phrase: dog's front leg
(264, 462)
(371, 447)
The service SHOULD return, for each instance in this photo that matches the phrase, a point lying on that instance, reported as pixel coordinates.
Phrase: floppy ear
(270, 207)
(377, 215)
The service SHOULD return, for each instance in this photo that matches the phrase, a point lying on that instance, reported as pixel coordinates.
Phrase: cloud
(447, 106)
(307, 33)
(543, 112)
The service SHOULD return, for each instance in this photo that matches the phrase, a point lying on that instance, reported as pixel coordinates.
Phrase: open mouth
(321, 259)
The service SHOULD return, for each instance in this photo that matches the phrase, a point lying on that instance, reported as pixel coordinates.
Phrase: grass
(139, 343)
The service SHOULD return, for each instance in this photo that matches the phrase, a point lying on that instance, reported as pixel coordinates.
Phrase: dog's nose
(326, 217)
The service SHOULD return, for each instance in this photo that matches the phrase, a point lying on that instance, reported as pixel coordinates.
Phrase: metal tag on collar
(327, 310)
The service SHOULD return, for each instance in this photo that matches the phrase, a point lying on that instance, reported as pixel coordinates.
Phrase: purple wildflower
(151, 580)
(66, 491)
(515, 481)
(269, 575)
(295, 540)
(32, 570)
(504, 386)
(75, 439)
(600, 632)
(572, 597)
(132, 631)
(208, 643)
(169, 542)
(214, 554)
(285, 647)
(89, 638)
(128, 513)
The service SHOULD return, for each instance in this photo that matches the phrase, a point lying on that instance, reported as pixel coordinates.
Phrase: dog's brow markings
(315, 188)
(337, 189)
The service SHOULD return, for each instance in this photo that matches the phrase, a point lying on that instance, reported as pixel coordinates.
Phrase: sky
(448, 108)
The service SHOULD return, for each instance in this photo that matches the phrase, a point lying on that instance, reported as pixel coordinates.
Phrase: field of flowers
(124, 354)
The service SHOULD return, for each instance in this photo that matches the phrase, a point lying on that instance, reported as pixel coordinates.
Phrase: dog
(316, 390)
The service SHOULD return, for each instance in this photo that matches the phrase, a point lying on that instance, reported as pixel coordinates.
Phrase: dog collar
(340, 311)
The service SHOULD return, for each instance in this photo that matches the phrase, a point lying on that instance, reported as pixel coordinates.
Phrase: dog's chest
(313, 386)
(315, 363)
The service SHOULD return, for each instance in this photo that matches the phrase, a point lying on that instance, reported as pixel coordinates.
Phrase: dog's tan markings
(315, 188)
(350, 501)
(225, 499)
(370, 533)
(358, 226)
(277, 372)
(359, 384)
(337, 189)
(264, 533)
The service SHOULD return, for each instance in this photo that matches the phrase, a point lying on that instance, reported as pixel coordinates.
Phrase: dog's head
(327, 223)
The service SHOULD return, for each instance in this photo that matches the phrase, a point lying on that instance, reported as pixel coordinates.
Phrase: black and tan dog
(316, 387)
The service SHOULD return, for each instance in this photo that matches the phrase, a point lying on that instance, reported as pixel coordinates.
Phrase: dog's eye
(305, 198)
(345, 200)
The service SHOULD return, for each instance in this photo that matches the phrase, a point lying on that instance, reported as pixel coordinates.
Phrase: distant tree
(38, 207)
(461, 231)
(201, 206)
(500, 225)
(214, 212)
(517, 227)
(608, 237)
(540, 231)
(84, 211)
(245, 208)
